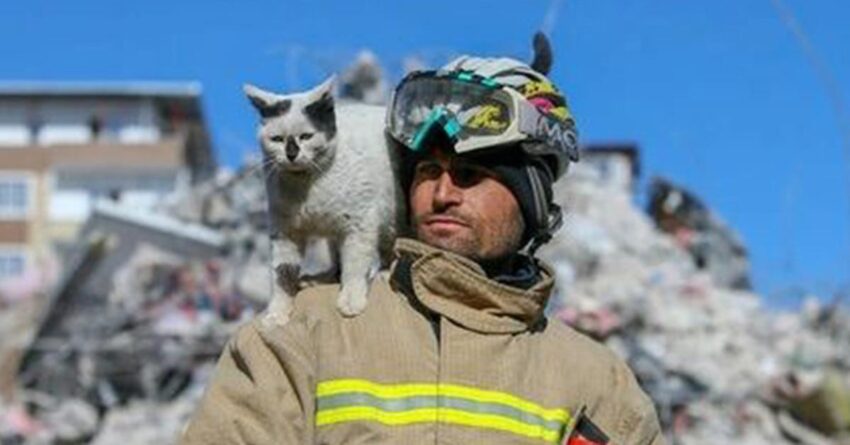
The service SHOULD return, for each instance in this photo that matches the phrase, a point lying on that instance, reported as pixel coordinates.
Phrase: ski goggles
(475, 112)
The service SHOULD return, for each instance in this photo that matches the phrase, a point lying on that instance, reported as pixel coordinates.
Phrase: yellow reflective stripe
(445, 415)
(333, 387)
(499, 423)
(331, 416)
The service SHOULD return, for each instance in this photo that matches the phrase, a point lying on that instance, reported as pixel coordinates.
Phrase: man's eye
(277, 138)
(465, 175)
(428, 170)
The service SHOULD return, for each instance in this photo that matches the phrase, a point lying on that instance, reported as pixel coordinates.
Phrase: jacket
(441, 355)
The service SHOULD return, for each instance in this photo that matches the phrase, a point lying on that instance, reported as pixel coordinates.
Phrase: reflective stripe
(354, 400)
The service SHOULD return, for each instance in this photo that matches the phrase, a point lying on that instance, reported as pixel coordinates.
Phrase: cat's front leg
(286, 269)
(358, 254)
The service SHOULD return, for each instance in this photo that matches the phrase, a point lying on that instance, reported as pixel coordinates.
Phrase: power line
(551, 17)
(831, 86)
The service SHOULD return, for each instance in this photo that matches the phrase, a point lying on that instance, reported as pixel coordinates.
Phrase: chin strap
(556, 220)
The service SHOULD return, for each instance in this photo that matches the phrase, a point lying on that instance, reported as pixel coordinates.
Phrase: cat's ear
(321, 107)
(266, 102)
(323, 92)
(321, 99)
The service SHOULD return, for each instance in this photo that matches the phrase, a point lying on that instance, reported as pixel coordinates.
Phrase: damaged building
(65, 145)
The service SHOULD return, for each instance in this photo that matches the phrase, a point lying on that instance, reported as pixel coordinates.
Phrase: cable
(551, 17)
(830, 84)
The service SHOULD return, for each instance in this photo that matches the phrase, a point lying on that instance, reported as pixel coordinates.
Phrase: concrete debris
(363, 81)
(716, 362)
(711, 243)
(73, 420)
(120, 351)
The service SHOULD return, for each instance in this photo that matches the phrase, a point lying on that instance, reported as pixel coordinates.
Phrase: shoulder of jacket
(316, 301)
(621, 406)
(318, 304)
(580, 347)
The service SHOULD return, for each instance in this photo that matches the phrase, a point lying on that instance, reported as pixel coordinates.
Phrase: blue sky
(719, 95)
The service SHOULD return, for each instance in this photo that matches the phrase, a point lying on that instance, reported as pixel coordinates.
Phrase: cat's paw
(287, 276)
(352, 300)
(278, 311)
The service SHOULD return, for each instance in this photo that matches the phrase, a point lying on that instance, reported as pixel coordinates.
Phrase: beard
(476, 239)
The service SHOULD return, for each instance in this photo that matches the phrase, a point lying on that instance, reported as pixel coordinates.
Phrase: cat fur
(340, 185)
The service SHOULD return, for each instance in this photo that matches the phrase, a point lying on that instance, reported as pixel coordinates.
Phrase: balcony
(169, 152)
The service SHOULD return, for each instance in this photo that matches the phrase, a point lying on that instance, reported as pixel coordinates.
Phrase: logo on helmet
(557, 135)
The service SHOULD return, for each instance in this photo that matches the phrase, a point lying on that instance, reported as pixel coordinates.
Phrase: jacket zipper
(437, 324)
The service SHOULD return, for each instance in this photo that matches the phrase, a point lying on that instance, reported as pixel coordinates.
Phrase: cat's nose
(291, 150)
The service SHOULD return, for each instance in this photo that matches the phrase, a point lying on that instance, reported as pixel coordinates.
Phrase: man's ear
(266, 102)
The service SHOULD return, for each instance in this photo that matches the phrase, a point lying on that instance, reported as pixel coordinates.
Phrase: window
(12, 264)
(14, 197)
(96, 127)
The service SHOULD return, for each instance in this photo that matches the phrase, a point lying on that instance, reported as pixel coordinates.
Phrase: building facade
(64, 146)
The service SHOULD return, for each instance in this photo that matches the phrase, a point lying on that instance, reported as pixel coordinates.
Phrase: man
(453, 347)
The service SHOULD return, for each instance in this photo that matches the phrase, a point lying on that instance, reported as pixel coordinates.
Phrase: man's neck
(514, 270)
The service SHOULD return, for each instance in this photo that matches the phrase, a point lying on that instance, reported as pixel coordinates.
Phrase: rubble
(712, 244)
(121, 348)
(705, 349)
(363, 81)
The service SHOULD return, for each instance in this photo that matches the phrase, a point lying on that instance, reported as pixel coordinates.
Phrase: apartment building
(64, 146)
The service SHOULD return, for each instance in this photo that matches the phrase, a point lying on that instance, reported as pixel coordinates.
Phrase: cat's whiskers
(269, 167)
(312, 164)
(260, 166)
(253, 169)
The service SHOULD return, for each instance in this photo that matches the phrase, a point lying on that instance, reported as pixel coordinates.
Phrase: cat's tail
(542, 61)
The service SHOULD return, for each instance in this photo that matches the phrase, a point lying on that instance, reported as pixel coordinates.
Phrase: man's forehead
(446, 153)
(439, 151)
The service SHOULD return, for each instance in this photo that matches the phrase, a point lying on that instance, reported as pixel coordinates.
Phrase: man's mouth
(444, 222)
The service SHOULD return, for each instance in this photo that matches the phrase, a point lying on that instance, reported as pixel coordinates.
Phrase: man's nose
(446, 192)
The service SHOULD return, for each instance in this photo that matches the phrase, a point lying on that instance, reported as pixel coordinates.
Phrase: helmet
(488, 107)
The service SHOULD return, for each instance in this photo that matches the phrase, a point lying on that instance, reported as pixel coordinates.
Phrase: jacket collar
(458, 288)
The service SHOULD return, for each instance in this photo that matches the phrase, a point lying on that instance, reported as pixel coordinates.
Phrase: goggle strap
(438, 116)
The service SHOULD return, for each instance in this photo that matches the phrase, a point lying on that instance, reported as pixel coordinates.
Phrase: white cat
(329, 173)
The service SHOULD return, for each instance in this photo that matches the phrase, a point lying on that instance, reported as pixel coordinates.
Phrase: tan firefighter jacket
(442, 355)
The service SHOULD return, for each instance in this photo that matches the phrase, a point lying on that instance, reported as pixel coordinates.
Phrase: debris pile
(122, 348)
(717, 363)
(713, 245)
(363, 81)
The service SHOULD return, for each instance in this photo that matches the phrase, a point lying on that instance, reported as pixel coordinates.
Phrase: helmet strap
(544, 235)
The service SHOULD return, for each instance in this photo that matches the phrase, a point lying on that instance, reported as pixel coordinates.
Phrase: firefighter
(453, 347)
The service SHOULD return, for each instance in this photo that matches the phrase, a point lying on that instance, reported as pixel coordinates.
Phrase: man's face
(461, 207)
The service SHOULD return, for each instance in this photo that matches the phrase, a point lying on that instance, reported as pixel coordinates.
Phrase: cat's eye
(277, 138)
(305, 136)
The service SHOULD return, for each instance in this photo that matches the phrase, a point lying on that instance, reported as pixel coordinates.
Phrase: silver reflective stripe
(419, 402)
